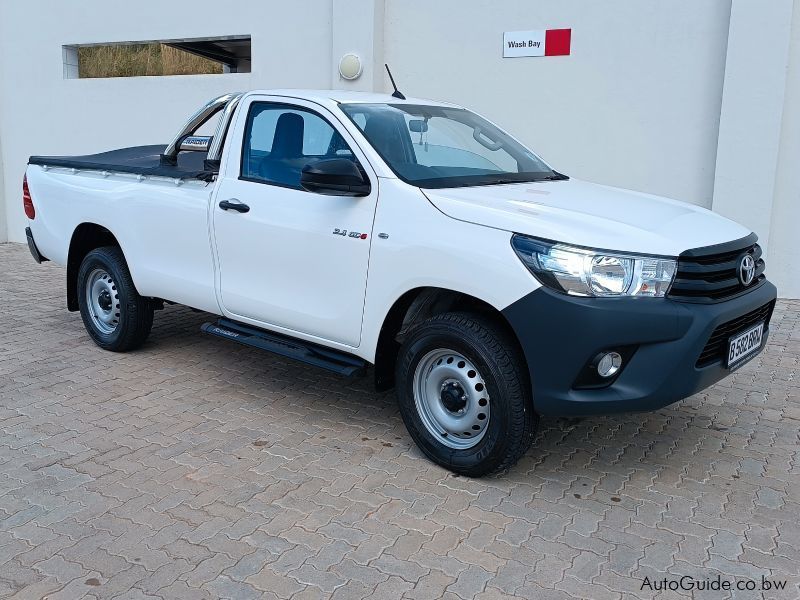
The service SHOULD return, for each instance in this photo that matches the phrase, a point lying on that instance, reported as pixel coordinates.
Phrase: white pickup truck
(354, 230)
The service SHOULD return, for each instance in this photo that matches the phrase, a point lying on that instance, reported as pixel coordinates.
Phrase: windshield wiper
(556, 176)
(498, 182)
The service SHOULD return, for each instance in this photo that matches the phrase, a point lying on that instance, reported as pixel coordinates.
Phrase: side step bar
(312, 354)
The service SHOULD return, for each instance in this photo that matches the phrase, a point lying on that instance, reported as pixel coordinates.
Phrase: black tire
(135, 313)
(512, 422)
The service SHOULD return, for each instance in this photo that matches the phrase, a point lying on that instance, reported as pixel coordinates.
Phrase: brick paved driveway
(196, 468)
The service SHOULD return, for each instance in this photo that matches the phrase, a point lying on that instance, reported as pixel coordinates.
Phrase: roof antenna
(397, 94)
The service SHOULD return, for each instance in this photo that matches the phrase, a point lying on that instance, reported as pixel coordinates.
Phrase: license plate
(745, 344)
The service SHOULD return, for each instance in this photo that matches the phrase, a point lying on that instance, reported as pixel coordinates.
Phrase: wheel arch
(85, 238)
(413, 307)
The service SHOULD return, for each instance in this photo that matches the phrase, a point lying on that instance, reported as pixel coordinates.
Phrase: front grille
(714, 276)
(717, 345)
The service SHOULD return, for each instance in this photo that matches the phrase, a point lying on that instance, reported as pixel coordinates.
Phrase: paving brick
(580, 589)
(393, 587)
(509, 577)
(123, 581)
(335, 531)
(270, 581)
(104, 563)
(206, 530)
(410, 571)
(37, 591)
(62, 570)
(223, 544)
(470, 582)
(208, 570)
(468, 555)
(181, 591)
(326, 581)
(352, 590)
(164, 576)
(225, 587)
(350, 570)
(329, 555)
(18, 576)
(408, 545)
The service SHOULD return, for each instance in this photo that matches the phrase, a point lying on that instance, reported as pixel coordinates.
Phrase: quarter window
(280, 140)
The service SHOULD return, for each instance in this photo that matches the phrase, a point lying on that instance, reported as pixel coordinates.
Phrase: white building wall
(659, 97)
(3, 208)
(757, 179)
(785, 225)
(635, 105)
(752, 110)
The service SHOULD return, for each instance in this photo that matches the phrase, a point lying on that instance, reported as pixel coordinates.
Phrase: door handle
(234, 204)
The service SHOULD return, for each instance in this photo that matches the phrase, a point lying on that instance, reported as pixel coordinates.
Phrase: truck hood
(588, 214)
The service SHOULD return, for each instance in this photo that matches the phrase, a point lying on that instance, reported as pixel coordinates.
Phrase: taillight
(27, 201)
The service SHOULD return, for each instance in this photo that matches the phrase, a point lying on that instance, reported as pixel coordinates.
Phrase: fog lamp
(609, 364)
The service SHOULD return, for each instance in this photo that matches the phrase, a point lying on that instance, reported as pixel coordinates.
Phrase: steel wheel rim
(102, 301)
(451, 398)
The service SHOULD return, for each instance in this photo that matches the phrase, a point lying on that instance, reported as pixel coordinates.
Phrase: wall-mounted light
(350, 67)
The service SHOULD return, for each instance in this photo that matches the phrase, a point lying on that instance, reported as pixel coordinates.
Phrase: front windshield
(438, 146)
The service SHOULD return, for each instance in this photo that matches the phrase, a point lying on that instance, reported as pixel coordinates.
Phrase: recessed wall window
(196, 56)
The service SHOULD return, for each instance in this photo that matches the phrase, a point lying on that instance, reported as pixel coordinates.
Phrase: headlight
(584, 272)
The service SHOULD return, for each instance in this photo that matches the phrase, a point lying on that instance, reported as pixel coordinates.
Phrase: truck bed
(140, 160)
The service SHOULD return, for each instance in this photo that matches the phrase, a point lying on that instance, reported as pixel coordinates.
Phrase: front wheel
(464, 394)
(116, 317)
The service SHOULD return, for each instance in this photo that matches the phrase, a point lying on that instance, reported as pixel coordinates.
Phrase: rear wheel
(464, 394)
(116, 317)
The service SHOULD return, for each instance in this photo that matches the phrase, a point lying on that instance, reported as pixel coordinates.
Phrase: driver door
(285, 261)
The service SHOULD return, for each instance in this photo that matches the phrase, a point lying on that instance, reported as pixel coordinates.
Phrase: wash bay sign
(537, 42)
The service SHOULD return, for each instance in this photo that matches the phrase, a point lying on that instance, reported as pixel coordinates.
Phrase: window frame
(248, 123)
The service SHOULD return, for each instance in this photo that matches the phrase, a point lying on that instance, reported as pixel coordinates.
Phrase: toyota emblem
(747, 269)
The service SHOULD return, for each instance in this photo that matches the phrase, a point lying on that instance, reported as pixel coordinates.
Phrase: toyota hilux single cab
(416, 240)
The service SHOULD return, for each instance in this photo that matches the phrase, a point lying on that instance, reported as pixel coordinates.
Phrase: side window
(279, 140)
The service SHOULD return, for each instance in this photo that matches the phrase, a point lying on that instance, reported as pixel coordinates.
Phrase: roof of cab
(328, 97)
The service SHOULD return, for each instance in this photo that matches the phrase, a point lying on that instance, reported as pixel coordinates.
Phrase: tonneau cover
(141, 160)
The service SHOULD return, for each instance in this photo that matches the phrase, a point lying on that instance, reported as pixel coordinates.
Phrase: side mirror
(334, 177)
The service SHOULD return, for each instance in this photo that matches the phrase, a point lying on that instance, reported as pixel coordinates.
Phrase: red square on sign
(556, 42)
